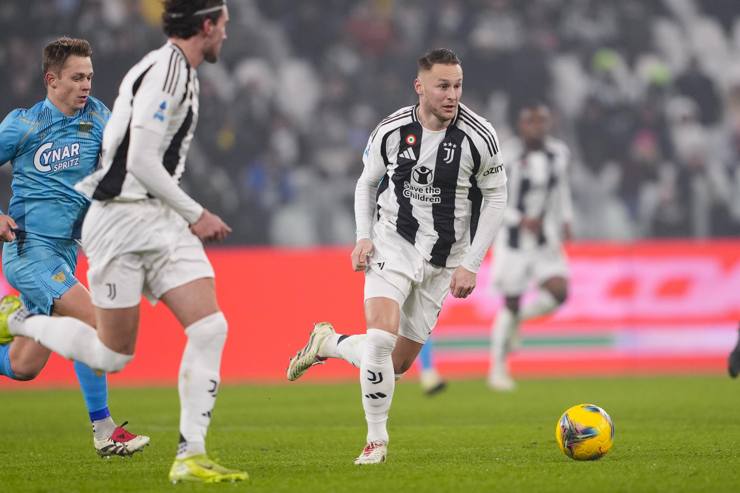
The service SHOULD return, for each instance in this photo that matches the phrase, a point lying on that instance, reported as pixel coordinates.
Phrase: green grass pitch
(673, 434)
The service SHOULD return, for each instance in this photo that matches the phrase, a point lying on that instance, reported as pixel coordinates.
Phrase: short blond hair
(56, 53)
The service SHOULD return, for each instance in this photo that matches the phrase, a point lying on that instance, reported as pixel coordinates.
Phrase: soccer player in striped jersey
(434, 181)
(51, 146)
(144, 235)
(529, 248)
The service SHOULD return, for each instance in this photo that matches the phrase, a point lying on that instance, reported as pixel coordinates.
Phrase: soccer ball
(585, 432)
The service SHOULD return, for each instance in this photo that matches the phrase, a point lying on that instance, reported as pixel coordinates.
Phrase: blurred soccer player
(431, 381)
(538, 218)
(53, 145)
(433, 175)
(144, 235)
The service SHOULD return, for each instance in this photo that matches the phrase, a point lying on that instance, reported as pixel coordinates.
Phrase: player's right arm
(365, 201)
(149, 123)
(10, 136)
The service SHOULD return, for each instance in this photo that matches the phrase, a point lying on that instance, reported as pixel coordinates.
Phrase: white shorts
(136, 248)
(399, 272)
(514, 269)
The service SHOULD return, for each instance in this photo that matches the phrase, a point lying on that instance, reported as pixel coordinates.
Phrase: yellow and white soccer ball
(585, 432)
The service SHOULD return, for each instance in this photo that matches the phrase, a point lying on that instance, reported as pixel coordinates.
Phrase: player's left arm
(491, 180)
(566, 199)
(9, 138)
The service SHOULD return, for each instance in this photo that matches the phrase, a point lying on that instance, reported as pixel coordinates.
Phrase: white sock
(377, 381)
(103, 428)
(543, 303)
(198, 381)
(70, 338)
(349, 348)
(328, 348)
(501, 332)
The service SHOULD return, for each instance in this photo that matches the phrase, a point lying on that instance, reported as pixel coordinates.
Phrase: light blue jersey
(50, 152)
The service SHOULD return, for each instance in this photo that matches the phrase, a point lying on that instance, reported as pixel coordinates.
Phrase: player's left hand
(7, 225)
(567, 232)
(462, 283)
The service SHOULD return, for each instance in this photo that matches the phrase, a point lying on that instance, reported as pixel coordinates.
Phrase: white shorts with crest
(139, 248)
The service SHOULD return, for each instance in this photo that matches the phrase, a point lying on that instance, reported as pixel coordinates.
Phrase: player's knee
(559, 291)
(24, 372)
(561, 295)
(512, 303)
(210, 330)
(27, 367)
(402, 367)
(110, 361)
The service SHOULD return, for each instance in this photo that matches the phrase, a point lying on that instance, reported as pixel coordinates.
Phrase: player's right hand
(7, 225)
(209, 227)
(533, 224)
(361, 254)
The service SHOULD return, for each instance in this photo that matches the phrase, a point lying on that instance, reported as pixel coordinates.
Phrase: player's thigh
(551, 266)
(404, 354)
(382, 313)
(182, 277)
(511, 271)
(388, 282)
(116, 285)
(192, 301)
(27, 358)
(76, 303)
(420, 312)
(42, 270)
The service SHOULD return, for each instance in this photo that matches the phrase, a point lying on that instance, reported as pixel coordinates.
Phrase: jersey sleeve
(491, 173)
(159, 94)
(373, 159)
(566, 204)
(10, 135)
(367, 186)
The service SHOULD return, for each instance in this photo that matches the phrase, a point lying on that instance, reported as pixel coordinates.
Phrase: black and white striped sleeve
(491, 173)
(367, 185)
(160, 93)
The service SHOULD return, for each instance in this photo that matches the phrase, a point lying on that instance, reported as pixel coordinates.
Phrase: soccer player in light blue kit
(431, 381)
(52, 146)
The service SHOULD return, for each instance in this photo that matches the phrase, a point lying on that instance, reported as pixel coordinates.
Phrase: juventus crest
(449, 150)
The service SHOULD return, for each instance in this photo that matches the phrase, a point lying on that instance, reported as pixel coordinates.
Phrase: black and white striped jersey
(160, 93)
(431, 181)
(538, 188)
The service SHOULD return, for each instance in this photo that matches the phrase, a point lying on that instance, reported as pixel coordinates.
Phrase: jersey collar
(177, 48)
(57, 113)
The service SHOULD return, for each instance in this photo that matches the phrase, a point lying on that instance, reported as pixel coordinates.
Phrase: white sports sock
(377, 382)
(71, 338)
(543, 303)
(351, 349)
(501, 332)
(198, 381)
(103, 428)
(328, 348)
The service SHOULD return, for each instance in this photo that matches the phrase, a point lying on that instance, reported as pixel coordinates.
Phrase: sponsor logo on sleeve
(159, 114)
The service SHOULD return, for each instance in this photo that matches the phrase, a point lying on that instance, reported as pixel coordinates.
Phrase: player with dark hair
(52, 145)
(529, 248)
(433, 176)
(144, 235)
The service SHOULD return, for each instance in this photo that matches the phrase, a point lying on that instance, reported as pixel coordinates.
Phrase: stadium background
(647, 94)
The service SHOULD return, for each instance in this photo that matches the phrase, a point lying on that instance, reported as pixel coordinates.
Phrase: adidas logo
(408, 154)
(375, 396)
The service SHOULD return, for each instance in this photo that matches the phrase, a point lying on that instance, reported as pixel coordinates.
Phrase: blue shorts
(41, 269)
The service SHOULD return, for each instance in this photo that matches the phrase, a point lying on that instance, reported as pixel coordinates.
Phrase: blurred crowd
(646, 93)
